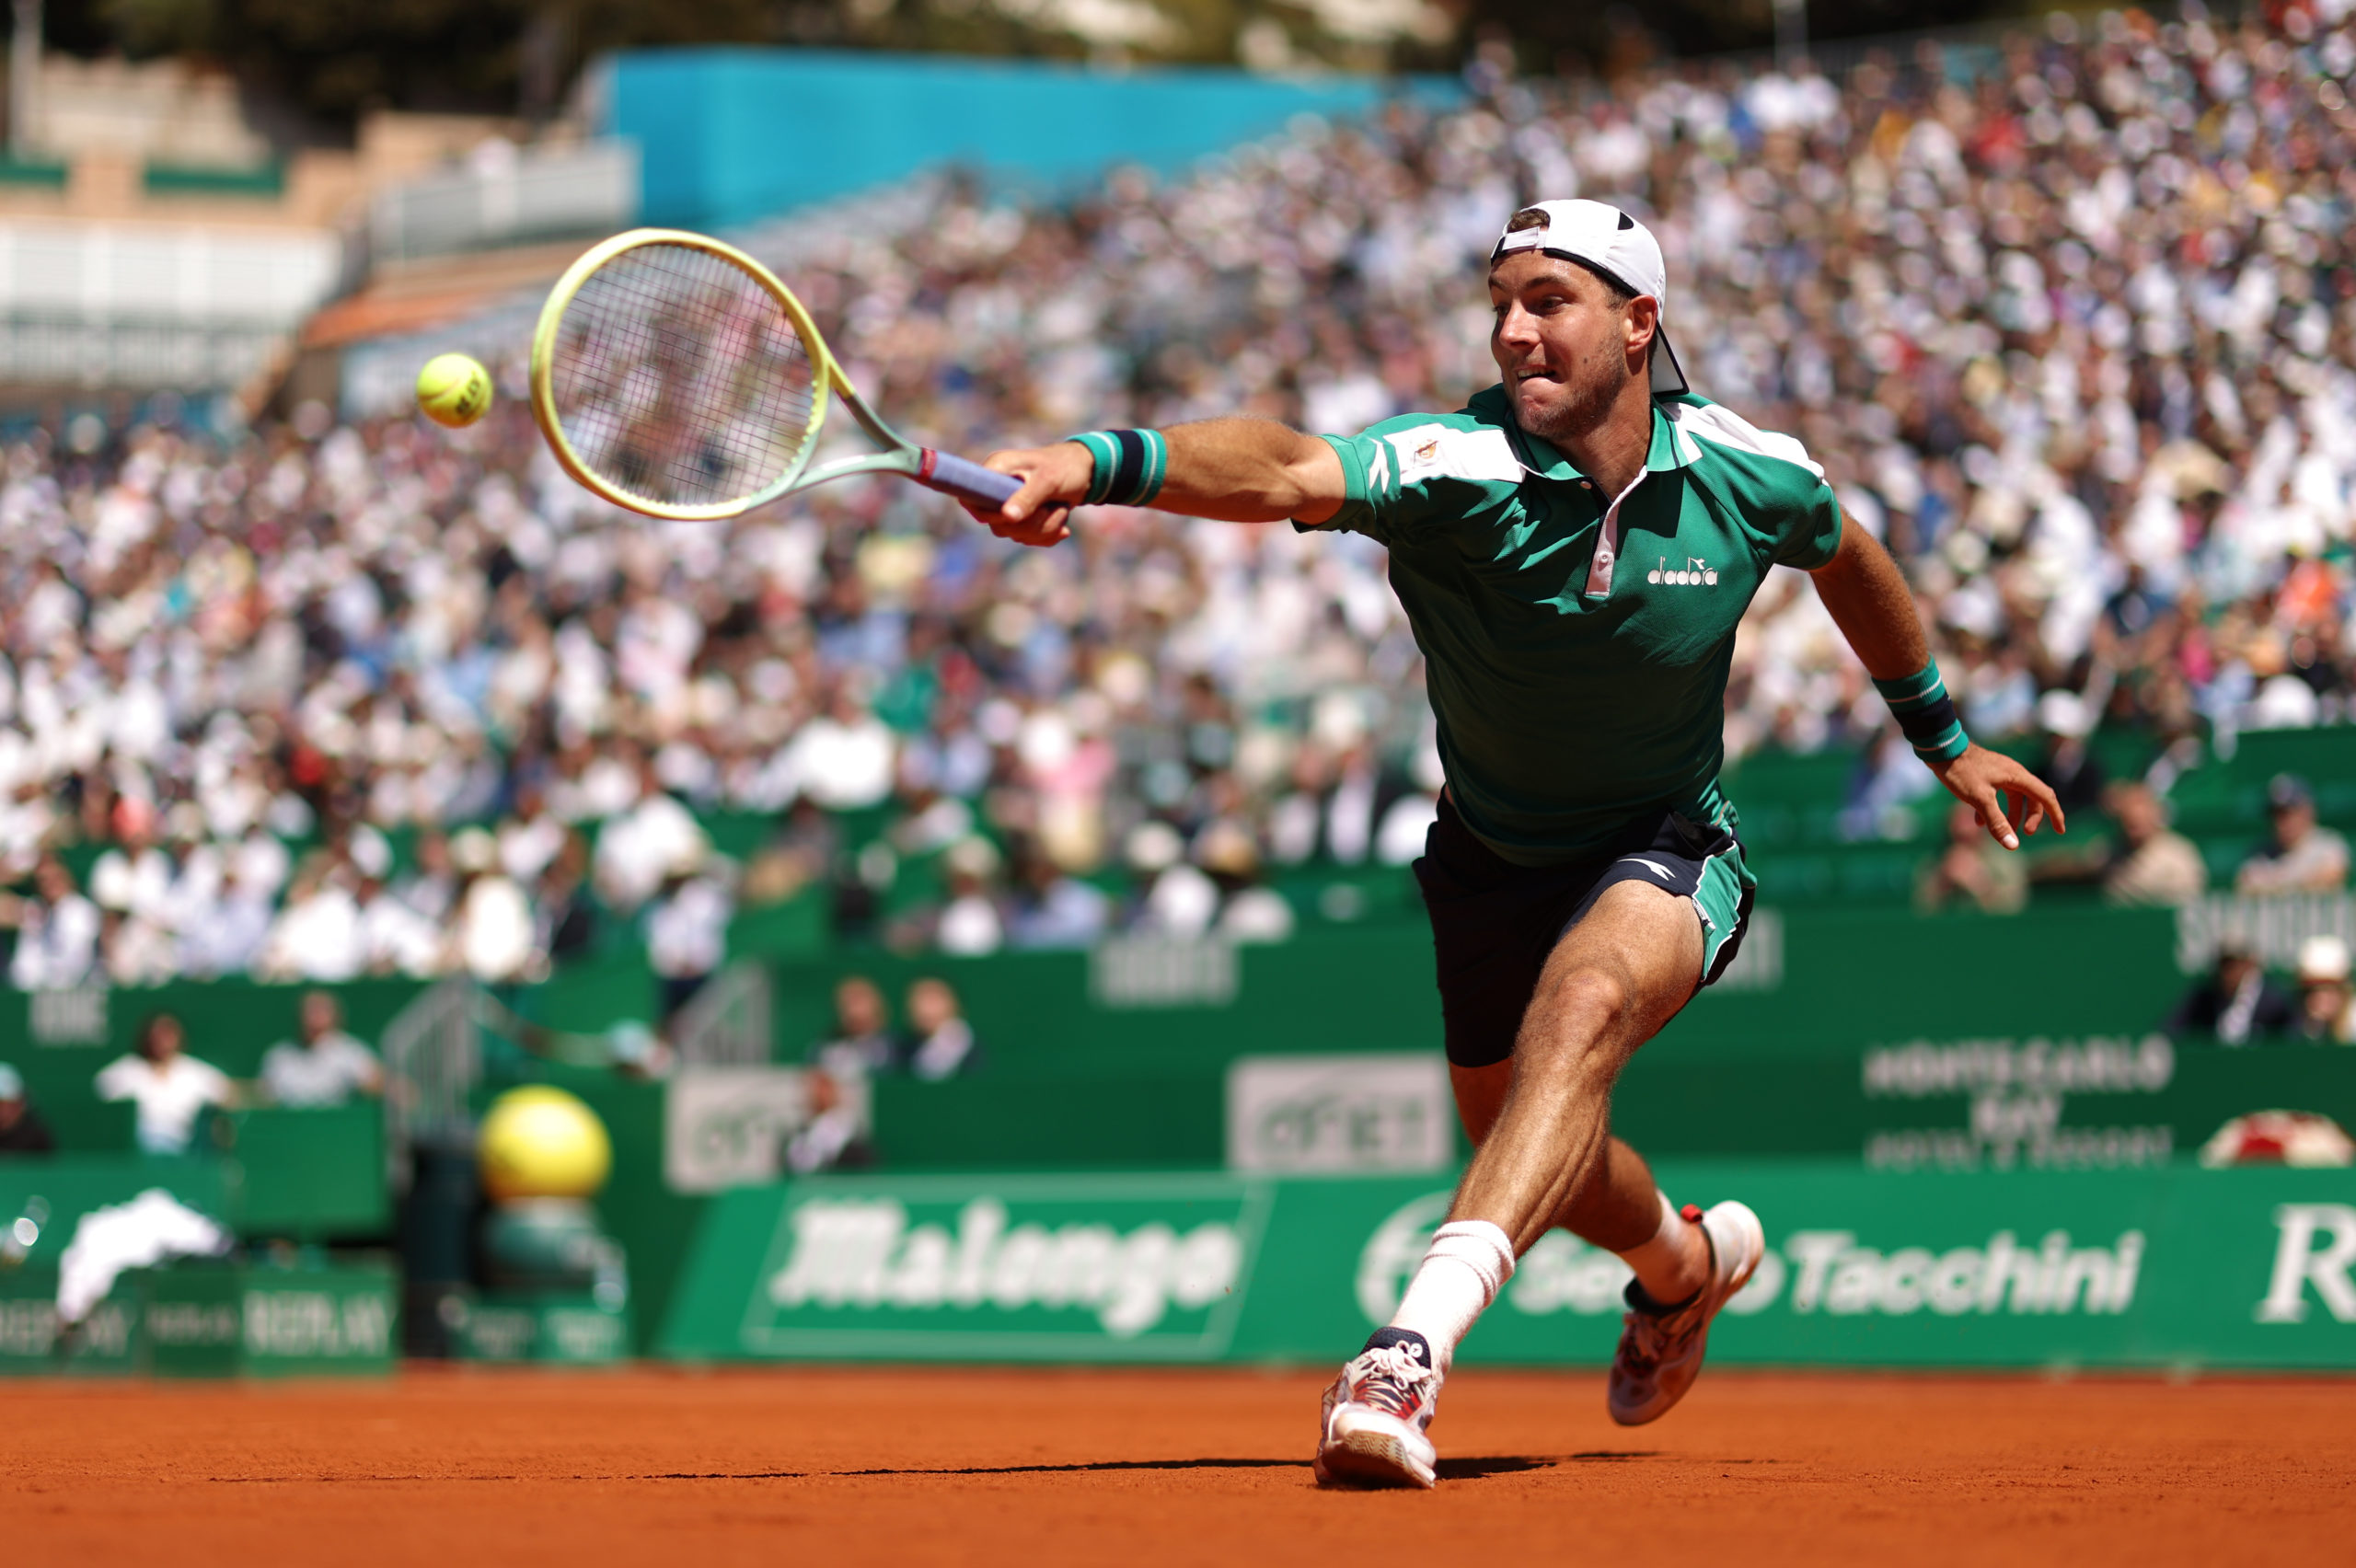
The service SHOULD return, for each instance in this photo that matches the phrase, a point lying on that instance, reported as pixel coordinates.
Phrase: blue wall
(732, 135)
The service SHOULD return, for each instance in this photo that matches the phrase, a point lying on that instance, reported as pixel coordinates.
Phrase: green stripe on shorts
(1726, 883)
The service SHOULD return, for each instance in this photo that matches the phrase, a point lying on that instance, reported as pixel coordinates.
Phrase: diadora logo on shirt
(1695, 573)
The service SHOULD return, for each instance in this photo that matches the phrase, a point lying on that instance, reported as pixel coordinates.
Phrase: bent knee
(1590, 993)
(1577, 1018)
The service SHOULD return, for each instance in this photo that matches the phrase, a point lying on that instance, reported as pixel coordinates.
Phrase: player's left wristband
(1130, 466)
(1926, 713)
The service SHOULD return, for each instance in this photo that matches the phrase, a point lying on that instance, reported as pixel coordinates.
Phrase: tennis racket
(677, 376)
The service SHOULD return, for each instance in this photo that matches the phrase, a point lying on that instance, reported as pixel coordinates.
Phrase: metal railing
(727, 1023)
(433, 1052)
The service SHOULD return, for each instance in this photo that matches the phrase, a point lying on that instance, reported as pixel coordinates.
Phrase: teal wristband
(1926, 713)
(1130, 466)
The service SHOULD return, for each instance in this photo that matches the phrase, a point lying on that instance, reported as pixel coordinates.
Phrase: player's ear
(1642, 316)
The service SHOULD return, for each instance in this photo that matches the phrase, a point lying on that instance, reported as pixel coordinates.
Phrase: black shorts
(1495, 924)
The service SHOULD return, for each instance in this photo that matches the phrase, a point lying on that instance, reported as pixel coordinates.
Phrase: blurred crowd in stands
(2071, 321)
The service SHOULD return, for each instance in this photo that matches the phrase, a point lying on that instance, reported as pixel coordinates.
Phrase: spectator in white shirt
(687, 932)
(529, 840)
(970, 925)
(57, 944)
(496, 934)
(169, 1088)
(316, 935)
(137, 878)
(397, 938)
(136, 950)
(432, 888)
(843, 759)
(323, 1066)
(230, 937)
(637, 850)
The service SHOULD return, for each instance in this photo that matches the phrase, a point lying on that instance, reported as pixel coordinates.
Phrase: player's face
(1564, 345)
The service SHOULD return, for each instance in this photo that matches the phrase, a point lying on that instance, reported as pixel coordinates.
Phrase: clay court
(1151, 1468)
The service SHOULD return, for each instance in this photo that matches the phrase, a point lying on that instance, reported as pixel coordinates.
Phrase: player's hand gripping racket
(677, 376)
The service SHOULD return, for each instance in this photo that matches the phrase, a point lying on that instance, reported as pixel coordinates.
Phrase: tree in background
(1547, 36)
(328, 61)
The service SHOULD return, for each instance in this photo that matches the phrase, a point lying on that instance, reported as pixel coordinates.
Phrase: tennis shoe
(1661, 1346)
(1371, 1432)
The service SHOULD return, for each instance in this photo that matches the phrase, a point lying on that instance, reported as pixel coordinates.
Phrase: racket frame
(901, 454)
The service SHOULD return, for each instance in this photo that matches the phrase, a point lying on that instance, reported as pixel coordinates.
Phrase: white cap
(2322, 961)
(1609, 241)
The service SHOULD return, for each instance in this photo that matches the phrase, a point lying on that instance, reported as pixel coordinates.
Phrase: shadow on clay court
(1449, 1469)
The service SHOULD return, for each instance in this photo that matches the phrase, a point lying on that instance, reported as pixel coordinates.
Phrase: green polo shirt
(1577, 646)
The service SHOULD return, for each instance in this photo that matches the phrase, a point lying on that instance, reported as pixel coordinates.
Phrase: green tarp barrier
(1947, 1041)
(307, 1175)
(60, 1040)
(208, 1319)
(2172, 1268)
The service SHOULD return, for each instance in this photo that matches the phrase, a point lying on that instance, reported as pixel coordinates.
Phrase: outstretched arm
(1238, 470)
(1870, 602)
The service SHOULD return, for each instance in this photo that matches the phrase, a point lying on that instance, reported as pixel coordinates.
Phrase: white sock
(1469, 1262)
(1675, 1263)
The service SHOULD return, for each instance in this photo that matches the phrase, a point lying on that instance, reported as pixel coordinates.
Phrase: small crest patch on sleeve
(1436, 451)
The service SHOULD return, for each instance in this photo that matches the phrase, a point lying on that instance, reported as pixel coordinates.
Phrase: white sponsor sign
(69, 1017)
(1163, 972)
(2015, 1089)
(866, 1254)
(727, 1127)
(1328, 1114)
(1829, 1271)
(319, 1323)
(2315, 1246)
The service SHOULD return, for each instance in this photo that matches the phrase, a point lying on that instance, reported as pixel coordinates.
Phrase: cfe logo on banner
(730, 1126)
(1146, 1267)
(1390, 1112)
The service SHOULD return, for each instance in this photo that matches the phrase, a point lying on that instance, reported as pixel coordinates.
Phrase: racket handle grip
(953, 475)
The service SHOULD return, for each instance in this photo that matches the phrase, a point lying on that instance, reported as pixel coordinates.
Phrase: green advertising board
(1825, 1040)
(203, 1318)
(2170, 1267)
(561, 1330)
(107, 1346)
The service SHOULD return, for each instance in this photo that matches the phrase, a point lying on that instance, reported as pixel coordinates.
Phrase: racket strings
(678, 378)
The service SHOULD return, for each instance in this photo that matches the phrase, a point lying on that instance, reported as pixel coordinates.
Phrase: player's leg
(1619, 972)
(1618, 1208)
(1687, 1263)
(1546, 1156)
(1615, 977)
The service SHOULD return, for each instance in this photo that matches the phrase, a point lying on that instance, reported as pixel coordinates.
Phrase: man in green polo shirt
(1574, 549)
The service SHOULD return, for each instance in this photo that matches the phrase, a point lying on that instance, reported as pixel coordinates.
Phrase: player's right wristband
(1926, 713)
(1130, 466)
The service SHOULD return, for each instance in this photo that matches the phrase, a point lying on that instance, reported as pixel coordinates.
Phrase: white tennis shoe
(1660, 1348)
(1371, 1432)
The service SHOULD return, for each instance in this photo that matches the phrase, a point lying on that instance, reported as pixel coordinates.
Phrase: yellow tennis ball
(539, 1142)
(453, 390)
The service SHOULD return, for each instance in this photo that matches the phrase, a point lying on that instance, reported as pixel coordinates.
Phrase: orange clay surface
(782, 1469)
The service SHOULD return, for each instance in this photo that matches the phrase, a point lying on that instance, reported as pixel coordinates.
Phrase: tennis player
(1574, 548)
